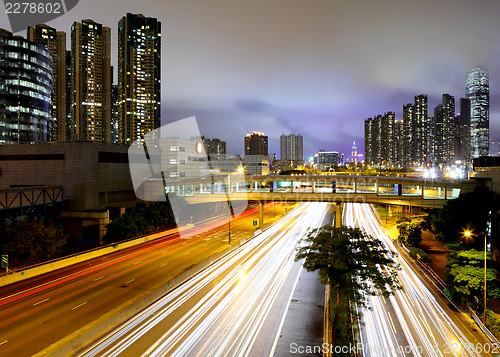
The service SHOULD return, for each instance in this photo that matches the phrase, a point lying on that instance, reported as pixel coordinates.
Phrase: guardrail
(327, 323)
(432, 273)
(483, 328)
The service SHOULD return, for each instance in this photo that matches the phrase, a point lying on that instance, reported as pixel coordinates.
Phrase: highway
(418, 320)
(40, 314)
(232, 308)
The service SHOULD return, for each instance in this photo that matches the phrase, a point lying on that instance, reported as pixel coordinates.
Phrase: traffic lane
(238, 328)
(111, 290)
(145, 340)
(70, 274)
(432, 314)
(30, 286)
(111, 299)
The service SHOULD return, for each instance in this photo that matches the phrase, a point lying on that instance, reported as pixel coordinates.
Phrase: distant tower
(477, 90)
(421, 137)
(55, 41)
(139, 76)
(26, 84)
(90, 81)
(354, 153)
(291, 148)
(256, 144)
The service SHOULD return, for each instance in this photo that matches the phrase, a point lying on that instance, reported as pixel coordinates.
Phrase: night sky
(311, 67)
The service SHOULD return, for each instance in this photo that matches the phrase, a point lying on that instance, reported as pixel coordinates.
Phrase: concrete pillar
(103, 222)
(338, 215)
(261, 215)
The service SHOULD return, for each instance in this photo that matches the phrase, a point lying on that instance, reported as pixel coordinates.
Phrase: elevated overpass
(416, 192)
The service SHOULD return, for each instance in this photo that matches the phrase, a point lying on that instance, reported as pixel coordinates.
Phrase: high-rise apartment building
(115, 116)
(421, 122)
(256, 144)
(398, 159)
(445, 135)
(26, 85)
(70, 125)
(387, 140)
(55, 41)
(292, 148)
(464, 129)
(139, 76)
(90, 81)
(408, 135)
(477, 90)
(214, 148)
(369, 144)
(381, 142)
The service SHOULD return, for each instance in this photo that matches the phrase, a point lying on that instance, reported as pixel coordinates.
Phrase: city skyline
(329, 73)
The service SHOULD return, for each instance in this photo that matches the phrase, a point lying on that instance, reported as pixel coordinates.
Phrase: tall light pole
(468, 234)
(485, 277)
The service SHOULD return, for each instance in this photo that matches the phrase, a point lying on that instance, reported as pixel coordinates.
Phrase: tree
(30, 241)
(465, 272)
(470, 210)
(354, 264)
(410, 234)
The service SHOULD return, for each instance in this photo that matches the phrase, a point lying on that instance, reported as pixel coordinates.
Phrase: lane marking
(129, 281)
(282, 322)
(187, 253)
(1, 343)
(164, 252)
(76, 307)
(99, 278)
(163, 265)
(138, 262)
(392, 323)
(40, 302)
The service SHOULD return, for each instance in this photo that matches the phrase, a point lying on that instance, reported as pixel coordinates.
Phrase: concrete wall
(95, 176)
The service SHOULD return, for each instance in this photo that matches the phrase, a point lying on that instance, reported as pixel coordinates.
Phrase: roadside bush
(452, 246)
(410, 234)
(493, 323)
(423, 255)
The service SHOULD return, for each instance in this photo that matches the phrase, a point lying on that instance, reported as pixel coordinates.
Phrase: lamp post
(468, 234)
(240, 170)
(485, 277)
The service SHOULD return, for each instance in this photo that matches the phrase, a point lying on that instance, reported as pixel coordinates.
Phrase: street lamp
(469, 234)
(240, 170)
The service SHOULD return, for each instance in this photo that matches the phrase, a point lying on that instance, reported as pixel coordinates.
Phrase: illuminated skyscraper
(464, 132)
(445, 136)
(382, 141)
(477, 90)
(90, 81)
(256, 144)
(354, 153)
(408, 134)
(25, 90)
(139, 76)
(421, 122)
(55, 41)
(291, 148)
